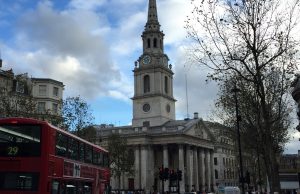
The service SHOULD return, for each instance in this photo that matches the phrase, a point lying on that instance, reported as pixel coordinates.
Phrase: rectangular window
(42, 90)
(105, 160)
(55, 91)
(81, 151)
(19, 181)
(54, 107)
(88, 154)
(61, 144)
(20, 140)
(96, 157)
(41, 107)
(216, 161)
(73, 149)
(20, 87)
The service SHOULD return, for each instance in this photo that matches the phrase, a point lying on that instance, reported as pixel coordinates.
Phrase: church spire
(152, 21)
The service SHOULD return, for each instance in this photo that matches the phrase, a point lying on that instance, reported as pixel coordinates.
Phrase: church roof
(170, 127)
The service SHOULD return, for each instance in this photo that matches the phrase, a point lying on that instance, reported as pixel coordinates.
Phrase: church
(155, 137)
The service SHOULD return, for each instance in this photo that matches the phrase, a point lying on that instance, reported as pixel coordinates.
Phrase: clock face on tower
(146, 59)
(146, 107)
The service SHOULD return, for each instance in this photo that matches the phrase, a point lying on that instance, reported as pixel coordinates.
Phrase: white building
(48, 94)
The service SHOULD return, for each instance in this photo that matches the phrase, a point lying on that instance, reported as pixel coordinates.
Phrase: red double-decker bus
(36, 157)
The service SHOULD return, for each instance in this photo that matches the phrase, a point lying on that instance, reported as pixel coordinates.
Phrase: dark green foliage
(76, 114)
(121, 157)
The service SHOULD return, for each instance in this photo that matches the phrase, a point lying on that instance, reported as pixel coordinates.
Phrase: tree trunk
(272, 166)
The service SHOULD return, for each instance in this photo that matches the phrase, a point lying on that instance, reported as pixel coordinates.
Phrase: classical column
(137, 176)
(144, 167)
(202, 169)
(196, 171)
(213, 181)
(189, 167)
(181, 167)
(207, 169)
(151, 168)
(166, 164)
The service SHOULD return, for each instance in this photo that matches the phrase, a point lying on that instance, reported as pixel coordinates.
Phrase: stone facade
(180, 144)
(43, 93)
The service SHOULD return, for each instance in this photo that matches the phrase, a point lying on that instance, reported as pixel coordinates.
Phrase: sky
(91, 46)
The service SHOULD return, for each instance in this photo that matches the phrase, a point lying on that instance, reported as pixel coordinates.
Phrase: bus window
(101, 159)
(105, 160)
(61, 145)
(81, 151)
(88, 154)
(87, 188)
(19, 181)
(54, 187)
(73, 149)
(71, 188)
(20, 140)
(97, 158)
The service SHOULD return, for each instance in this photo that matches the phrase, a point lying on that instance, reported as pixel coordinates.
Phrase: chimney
(196, 115)
(0, 62)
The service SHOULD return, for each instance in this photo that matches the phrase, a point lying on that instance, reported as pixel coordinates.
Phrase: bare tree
(250, 43)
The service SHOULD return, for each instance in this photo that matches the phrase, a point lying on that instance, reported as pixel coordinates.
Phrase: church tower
(153, 101)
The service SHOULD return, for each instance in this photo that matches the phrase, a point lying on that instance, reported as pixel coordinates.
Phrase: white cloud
(127, 41)
(64, 46)
(87, 5)
(172, 15)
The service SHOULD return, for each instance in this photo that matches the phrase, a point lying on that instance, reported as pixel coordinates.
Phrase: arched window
(166, 85)
(155, 43)
(146, 83)
(148, 42)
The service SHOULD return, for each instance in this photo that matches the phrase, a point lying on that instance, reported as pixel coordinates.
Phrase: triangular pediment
(199, 129)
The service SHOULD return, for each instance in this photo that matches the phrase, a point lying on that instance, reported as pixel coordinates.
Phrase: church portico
(184, 157)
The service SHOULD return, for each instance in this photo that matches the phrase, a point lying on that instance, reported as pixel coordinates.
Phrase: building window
(216, 161)
(54, 108)
(20, 87)
(146, 83)
(166, 85)
(148, 42)
(41, 107)
(55, 91)
(146, 124)
(42, 90)
(216, 174)
(155, 43)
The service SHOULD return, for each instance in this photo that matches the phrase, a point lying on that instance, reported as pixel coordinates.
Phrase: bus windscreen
(20, 140)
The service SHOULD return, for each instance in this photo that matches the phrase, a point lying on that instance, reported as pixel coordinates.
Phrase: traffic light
(166, 173)
(172, 175)
(161, 173)
(247, 178)
(179, 175)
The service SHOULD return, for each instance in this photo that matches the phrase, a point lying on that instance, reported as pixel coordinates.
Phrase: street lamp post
(238, 118)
